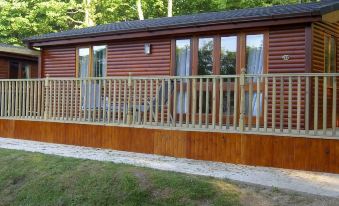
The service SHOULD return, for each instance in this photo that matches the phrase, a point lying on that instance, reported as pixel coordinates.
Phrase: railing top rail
(179, 77)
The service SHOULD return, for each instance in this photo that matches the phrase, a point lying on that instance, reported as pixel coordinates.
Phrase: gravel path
(309, 182)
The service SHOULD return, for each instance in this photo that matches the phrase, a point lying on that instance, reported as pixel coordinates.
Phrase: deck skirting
(312, 154)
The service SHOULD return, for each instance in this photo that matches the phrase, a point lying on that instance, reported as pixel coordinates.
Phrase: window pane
(99, 61)
(83, 62)
(205, 66)
(228, 55)
(254, 54)
(183, 57)
(26, 72)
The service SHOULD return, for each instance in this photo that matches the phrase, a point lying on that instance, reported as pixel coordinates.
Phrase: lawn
(37, 179)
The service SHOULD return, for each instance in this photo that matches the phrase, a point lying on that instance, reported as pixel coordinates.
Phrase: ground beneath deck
(323, 184)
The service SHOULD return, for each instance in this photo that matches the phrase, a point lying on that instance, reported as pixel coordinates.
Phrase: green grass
(37, 179)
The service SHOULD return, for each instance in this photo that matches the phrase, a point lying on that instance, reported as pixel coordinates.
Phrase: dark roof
(241, 15)
(18, 50)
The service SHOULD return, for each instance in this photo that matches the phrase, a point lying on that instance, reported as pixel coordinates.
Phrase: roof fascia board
(177, 31)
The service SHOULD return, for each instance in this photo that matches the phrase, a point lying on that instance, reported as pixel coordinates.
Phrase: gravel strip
(324, 184)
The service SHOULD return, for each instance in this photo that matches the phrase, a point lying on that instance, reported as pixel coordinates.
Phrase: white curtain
(255, 66)
(183, 69)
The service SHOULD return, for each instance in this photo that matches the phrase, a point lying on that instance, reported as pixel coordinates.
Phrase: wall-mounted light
(147, 49)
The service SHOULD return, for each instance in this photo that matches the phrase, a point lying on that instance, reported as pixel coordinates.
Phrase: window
(228, 55)
(183, 57)
(26, 71)
(96, 55)
(254, 54)
(205, 56)
(83, 59)
(99, 61)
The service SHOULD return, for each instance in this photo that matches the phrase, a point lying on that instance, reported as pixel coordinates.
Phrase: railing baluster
(307, 105)
(334, 106)
(151, 102)
(257, 123)
(156, 101)
(139, 99)
(221, 101)
(194, 100)
(250, 103)
(207, 105)
(6, 98)
(188, 97)
(281, 119)
(175, 103)
(94, 97)
(134, 100)
(324, 105)
(54, 99)
(181, 102)
(9, 112)
(274, 99)
(145, 103)
(235, 112)
(266, 104)
(299, 104)
(169, 89)
(162, 101)
(289, 105)
(119, 101)
(2, 98)
(16, 99)
(125, 103)
(63, 101)
(59, 99)
(100, 100)
(228, 103)
(40, 98)
(214, 103)
(200, 102)
(20, 99)
(109, 101)
(316, 104)
(114, 99)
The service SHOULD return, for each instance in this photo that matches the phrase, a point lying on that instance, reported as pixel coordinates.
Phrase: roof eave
(312, 16)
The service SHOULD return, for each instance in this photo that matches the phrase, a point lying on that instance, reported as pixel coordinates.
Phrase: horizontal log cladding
(123, 58)
(59, 61)
(289, 42)
(4, 71)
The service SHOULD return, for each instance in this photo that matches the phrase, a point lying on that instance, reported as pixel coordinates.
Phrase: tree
(169, 8)
(140, 12)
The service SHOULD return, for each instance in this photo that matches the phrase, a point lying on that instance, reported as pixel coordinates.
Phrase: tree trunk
(169, 8)
(140, 12)
(88, 14)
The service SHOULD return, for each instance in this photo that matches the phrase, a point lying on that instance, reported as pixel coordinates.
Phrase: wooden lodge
(254, 86)
(18, 62)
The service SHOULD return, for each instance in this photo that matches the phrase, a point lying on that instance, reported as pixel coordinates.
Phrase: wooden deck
(302, 153)
(209, 118)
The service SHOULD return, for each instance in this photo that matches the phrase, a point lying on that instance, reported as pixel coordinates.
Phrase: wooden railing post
(242, 100)
(47, 89)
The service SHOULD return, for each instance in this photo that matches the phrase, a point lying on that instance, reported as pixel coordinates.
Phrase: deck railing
(285, 104)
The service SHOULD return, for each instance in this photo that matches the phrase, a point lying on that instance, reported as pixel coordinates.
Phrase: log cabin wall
(291, 42)
(319, 29)
(4, 68)
(58, 61)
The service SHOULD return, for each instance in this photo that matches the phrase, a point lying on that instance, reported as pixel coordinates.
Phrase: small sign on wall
(285, 57)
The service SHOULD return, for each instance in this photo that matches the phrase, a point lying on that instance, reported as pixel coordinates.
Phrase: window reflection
(183, 57)
(254, 53)
(99, 61)
(205, 56)
(228, 57)
(83, 62)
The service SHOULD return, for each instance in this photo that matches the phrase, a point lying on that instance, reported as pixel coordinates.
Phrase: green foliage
(36, 179)
(23, 18)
